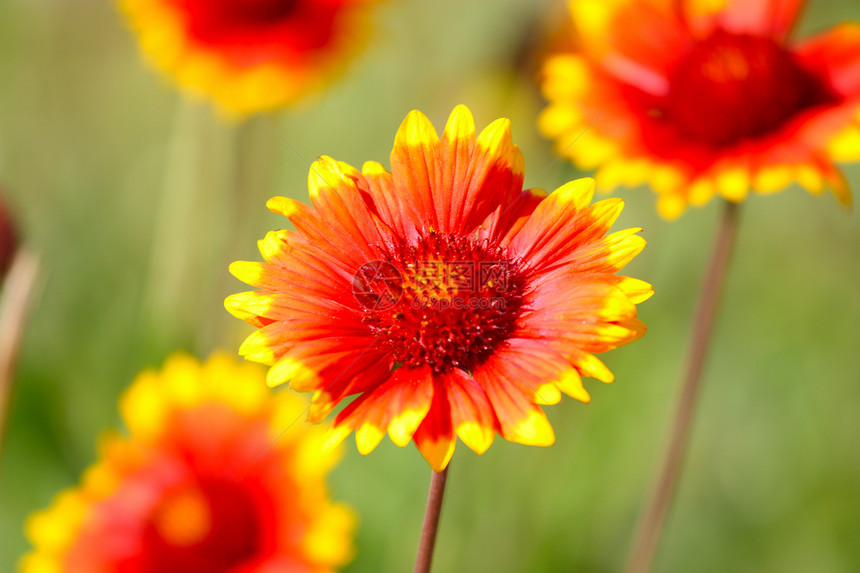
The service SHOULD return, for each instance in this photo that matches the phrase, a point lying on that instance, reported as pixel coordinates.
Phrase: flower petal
(563, 223)
(520, 419)
(637, 41)
(774, 18)
(472, 415)
(415, 166)
(435, 436)
(836, 55)
(398, 406)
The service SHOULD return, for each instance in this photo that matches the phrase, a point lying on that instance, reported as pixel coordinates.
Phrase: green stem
(653, 520)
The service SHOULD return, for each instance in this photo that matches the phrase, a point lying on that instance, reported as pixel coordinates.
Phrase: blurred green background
(137, 200)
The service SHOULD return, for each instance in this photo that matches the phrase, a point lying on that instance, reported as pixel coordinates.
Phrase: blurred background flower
(704, 98)
(84, 140)
(214, 477)
(249, 55)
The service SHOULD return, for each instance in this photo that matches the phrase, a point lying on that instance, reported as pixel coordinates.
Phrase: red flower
(248, 55)
(448, 299)
(208, 482)
(701, 98)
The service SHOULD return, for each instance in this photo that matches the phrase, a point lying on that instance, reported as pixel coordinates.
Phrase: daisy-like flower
(704, 97)
(209, 481)
(448, 299)
(249, 55)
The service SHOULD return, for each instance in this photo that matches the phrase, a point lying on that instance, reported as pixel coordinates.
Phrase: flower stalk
(435, 497)
(653, 519)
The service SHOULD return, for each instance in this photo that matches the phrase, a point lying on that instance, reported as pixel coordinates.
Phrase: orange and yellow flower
(452, 302)
(213, 479)
(704, 97)
(249, 55)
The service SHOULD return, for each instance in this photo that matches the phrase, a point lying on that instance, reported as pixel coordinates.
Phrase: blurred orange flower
(249, 55)
(704, 97)
(206, 483)
(450, 300)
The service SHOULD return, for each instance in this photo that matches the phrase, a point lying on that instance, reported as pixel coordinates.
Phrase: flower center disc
(458, 301)
(252, 11)
(210, 527)
(732, 87)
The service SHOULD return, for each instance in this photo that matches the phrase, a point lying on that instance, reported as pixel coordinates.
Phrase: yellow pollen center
(725, 65)
(453, 301)
(184, 519)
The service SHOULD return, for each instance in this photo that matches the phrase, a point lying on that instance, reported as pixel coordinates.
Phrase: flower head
(448, 299)
(248, 55)
(208, 481)
(703, 98)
